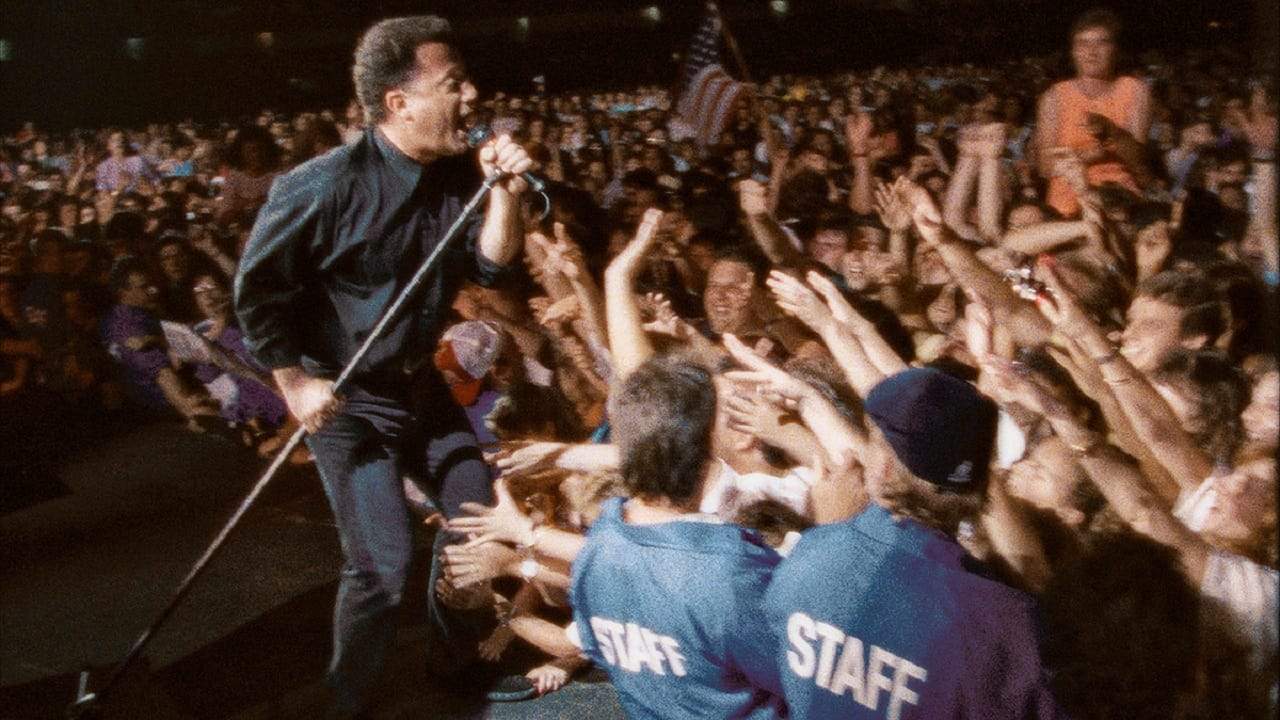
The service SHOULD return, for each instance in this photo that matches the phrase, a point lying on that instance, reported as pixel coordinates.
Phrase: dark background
(68, 63)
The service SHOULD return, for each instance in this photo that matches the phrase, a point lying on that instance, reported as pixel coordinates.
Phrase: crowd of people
(885, 313)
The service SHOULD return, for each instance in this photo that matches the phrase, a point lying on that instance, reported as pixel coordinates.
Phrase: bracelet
(1263, 158)
(1119, 381)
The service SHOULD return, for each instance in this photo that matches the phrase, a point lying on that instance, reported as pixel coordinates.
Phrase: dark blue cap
(939, 426)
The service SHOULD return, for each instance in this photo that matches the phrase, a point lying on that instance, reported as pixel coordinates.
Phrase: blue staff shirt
(672, 612)
(878, 618)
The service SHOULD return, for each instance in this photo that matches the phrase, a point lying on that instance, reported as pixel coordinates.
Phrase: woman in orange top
(1102, 117)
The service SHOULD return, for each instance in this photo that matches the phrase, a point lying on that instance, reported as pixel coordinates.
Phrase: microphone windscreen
(479, 134)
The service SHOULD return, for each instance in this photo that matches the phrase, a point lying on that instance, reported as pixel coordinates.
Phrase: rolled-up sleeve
(275, 269)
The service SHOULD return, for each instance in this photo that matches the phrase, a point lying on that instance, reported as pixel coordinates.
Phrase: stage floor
(83, 573)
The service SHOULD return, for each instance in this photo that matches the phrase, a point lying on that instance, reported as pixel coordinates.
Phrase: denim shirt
(336, 241)
(881, 617)
(672, 612)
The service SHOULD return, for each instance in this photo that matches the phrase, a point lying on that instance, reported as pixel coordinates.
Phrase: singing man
(337, 240)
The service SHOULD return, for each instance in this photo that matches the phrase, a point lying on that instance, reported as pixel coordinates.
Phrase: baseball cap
(469, 349)
(939, 426)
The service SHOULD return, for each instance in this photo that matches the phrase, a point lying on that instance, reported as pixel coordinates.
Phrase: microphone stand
(86, 702)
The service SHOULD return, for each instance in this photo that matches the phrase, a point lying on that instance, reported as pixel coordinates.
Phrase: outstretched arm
(628, 343)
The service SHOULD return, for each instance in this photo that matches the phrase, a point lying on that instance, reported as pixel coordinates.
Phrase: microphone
(481, 133)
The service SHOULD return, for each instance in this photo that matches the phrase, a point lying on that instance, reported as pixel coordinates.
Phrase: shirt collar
(907, 535)
(694, 531)
(408, 170)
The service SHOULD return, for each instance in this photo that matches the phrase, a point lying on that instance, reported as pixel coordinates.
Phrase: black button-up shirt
(337, 240)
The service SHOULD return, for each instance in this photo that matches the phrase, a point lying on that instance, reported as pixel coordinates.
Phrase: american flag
(709, 94)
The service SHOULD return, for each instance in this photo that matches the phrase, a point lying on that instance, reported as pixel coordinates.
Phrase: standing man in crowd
(878, 616)
(1102, 117)
(336, 241)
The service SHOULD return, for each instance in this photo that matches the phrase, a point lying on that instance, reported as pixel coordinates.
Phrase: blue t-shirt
(672, 612)
(878, 618)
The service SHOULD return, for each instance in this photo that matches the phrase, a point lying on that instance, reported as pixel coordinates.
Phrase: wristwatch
(529, 569)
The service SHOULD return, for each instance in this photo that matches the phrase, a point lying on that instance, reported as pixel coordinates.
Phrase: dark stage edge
(82, 573)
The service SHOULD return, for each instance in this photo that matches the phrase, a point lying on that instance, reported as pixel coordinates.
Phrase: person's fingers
(744, 354)
(739, 399)
(651, 218)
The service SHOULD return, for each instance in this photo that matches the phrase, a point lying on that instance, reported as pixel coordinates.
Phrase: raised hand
(467, 565)
(798, 300)
(564, 310)
(840, 308)
(665, 320)
(892, 209)
(777, 385)
(504, 522)
(516, 459)
(1060, 306)
(924, 211)
(628, 261)
(754, 415)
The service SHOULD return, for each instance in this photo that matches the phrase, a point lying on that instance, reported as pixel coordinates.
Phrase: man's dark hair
(118, 279)
(745, 255)
(1220, 392)
(1149, 213)
(662, 418)
(254, 134)
(905, 495)
(125, 225)
(1194, 295)
(1098, 17)
(387, 58)
(803, 196)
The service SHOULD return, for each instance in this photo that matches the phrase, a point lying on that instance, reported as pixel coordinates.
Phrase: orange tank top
(1073, 106)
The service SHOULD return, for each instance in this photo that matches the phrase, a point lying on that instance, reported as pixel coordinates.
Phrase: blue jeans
(362, 455)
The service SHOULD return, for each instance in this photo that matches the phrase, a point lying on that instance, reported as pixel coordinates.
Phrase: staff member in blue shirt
(665, 599)
(337, 239)
(879, 616)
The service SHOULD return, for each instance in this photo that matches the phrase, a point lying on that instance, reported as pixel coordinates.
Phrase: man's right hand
(310, 399)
